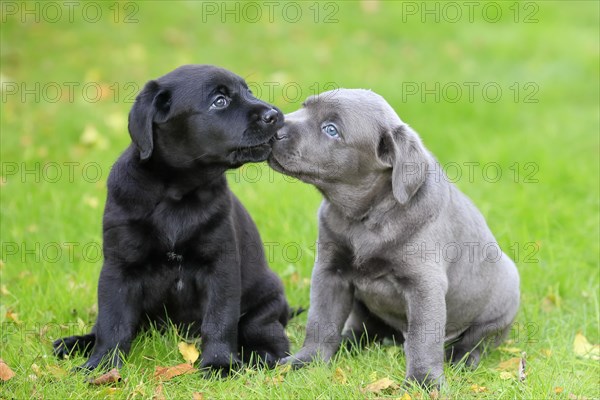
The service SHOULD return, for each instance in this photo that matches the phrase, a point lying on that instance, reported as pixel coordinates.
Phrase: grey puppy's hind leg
(363, 328)
(475, 340)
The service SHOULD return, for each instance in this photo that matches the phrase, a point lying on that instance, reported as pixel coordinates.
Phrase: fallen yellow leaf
(406, 396)
(275, 380)
(478, 389)
(91, 201)
(369, 6)
(89, 136)
(189, 352)
(381, 385)
(197, 396)
(546, 352)
(558, 390)
(56, 371)
(36, 370)
(284, 369)
(512, 350)
(504, 375)
(109, 391)
(13, 316)
(339, 376)
(583, 348)
(512, 364)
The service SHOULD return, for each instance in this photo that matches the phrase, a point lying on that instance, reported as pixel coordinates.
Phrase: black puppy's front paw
(64, 347)
(221, 367)
(105, 363)
(305, 356)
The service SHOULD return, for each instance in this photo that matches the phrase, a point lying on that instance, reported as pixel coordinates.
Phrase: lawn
(505, 94)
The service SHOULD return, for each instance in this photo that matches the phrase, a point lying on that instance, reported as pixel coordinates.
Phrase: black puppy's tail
(294, 312)
(74, 344)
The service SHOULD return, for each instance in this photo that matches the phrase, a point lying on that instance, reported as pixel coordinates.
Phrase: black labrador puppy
(178, 244)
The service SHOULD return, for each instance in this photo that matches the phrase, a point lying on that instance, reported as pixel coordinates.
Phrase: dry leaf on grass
(167, 373)
(583, 348)
(13, 316)
(381, 385)
(478, 389)
(36, 370)
(339, 376)
(158, 393)
(546, 352)
(406, 396)
(197, 396)
(369, 6)
(284, 369)
(5, 372)
(558, 390)
(189, 352)
(512, 350)
(512, 364)
(572, 396)
(56, 371)
(505, 375)
(111, 376)
(109, 391)
(274, 380)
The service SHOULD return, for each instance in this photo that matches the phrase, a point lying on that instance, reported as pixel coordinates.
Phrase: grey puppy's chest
(377, 275)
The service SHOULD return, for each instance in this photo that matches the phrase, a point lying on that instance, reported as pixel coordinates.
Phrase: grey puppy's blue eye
(220, 102)
(330, 130)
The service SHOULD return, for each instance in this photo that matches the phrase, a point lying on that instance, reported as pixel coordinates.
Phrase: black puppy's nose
(270, 116)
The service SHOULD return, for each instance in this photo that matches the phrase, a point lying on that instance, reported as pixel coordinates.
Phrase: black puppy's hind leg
(119, 316)
(262, 336)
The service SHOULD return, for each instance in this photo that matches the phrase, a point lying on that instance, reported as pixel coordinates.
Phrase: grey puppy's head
(352, 146)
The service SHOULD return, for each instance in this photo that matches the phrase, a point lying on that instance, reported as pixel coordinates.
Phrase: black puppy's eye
(220, 102)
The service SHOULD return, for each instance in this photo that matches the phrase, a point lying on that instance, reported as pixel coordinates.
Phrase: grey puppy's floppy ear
(402, 149)
(150, 103)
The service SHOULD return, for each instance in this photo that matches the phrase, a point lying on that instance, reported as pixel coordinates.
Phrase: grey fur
(401, 251)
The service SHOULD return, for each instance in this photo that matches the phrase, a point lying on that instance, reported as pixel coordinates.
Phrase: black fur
(178, 244)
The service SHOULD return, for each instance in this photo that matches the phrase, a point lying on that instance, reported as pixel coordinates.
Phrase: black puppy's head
(202, 115)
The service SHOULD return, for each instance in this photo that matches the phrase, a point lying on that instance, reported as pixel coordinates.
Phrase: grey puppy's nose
(270, 116)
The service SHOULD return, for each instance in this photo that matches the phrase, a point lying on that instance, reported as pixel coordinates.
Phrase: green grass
(556, 218)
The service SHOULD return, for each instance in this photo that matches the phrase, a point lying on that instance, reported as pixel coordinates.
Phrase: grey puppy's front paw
(428, 380)
(304, 357)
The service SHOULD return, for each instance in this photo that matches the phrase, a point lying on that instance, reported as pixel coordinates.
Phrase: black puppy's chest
(175, 223)
(179, 229)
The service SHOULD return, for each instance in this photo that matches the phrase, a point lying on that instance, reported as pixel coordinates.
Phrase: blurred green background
(492, 87)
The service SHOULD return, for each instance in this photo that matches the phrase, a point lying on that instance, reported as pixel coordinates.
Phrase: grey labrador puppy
(401, 251)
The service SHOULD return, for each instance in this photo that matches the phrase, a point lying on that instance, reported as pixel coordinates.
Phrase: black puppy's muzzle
(270, 117)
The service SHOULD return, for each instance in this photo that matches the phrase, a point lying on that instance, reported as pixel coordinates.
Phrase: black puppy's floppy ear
(151, 104)
(402, 149)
